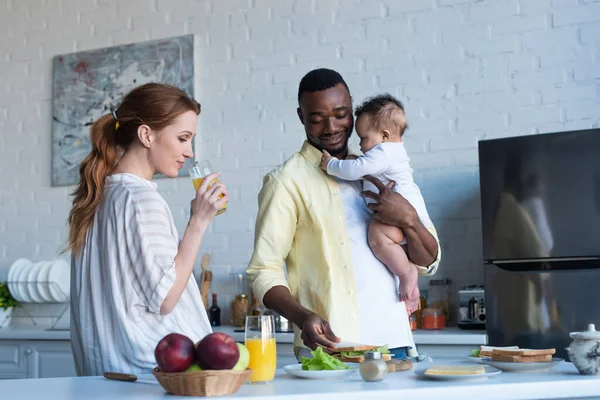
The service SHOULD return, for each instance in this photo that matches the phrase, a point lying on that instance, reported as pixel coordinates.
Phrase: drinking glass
(260, 341)
(198, 171)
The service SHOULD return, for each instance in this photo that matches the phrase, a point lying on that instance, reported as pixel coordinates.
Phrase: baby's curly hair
(384, 111)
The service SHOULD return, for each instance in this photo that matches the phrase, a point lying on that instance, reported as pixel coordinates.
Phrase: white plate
(21, 287)
(296, 370)
(32, 285)
(475, 359)
(489, 371)
(59, 278)
(42, 282)
(13, 272)
(522, 367)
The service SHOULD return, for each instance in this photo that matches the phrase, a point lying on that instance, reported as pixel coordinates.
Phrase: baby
(380, 124)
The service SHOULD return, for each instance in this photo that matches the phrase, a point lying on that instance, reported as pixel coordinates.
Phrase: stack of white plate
(40, 282)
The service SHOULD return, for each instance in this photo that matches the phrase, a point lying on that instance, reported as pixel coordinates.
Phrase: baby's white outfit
(388, 162)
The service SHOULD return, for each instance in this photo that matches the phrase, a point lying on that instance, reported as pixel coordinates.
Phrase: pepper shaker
(373, 368)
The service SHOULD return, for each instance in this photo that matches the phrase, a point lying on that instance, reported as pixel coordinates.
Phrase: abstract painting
(90, 84)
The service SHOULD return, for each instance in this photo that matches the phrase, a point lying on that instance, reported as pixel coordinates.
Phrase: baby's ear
(386, 134)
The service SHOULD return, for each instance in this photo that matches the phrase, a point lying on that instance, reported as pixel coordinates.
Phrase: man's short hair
(383, 110)
(320, 79)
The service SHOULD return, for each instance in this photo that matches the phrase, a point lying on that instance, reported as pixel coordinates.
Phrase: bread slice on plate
(522, 359)
(347, 346)
(359, 359)
(455, 370)
(486, 351)
(523, 352)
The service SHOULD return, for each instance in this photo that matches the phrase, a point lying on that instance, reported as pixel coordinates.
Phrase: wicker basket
(202, 383)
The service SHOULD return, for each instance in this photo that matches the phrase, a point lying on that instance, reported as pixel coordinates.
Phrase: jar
(433, 318)
(239, 310)
(373, 368)
(439, 295)
(413, 321)
(583, 351)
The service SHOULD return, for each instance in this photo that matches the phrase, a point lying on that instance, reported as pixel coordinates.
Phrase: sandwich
(523, 355)
(354, 352)
(486, 351)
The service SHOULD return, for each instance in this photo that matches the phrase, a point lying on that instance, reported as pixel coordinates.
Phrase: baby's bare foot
(409, 290)
(408, 282)
(412, 303)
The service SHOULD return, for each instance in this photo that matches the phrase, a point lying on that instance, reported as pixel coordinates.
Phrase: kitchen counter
(448, 336)
(561, 382)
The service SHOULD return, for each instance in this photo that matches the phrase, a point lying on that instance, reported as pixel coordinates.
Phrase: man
(335, 288)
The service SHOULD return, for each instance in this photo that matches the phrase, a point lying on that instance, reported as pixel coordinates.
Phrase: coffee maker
(471, 307)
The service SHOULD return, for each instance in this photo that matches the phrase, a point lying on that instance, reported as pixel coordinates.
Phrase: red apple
(175, 353)
(217, 351)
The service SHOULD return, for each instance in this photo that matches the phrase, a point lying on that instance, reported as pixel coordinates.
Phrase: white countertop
(448, 336)
(562, 381)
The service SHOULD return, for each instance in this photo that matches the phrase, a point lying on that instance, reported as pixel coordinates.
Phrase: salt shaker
(373, 368)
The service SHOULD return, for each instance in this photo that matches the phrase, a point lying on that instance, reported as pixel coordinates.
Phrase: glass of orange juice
(198, 171)
(260, 341)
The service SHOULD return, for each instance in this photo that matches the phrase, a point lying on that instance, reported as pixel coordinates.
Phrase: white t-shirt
(120, 278)
(387, 161)
(383, 318)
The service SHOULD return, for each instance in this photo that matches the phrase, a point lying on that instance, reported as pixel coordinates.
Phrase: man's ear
(386, 135)
(300, 115)
(145, 135)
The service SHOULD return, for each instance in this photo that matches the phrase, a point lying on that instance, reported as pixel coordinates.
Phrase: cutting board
(205, 279)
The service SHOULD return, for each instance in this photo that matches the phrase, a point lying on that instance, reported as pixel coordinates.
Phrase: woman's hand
(209, 199)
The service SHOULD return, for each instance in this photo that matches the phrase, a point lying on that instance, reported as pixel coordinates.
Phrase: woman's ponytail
(92, 172)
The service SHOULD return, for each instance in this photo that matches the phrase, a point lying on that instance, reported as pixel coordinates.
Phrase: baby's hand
(325, 160)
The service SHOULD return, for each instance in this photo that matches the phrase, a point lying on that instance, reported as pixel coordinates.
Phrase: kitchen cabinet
(49, 359)
(35, 359)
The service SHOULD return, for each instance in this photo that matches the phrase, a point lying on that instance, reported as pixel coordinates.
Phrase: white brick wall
(466, 70)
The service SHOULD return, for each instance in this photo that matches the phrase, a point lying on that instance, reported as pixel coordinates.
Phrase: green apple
(193, 367)
(244, 359)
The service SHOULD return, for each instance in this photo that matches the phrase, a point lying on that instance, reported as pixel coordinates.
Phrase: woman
(132, 281)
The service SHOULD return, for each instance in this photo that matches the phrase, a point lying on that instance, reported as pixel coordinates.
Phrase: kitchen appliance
(471, 307)
(540, 209)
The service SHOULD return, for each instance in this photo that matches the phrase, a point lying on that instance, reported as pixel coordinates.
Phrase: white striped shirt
(120, 278)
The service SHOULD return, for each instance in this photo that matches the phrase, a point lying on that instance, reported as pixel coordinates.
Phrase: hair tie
(114, 115)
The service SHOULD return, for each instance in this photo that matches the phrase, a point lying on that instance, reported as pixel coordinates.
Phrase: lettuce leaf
(321, 361)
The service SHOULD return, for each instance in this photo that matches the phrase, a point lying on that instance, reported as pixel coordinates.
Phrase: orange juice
(263, 359)
(198, 181)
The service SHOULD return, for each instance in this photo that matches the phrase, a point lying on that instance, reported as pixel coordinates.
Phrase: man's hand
(392, 208)
(325, 160)
(317, 332)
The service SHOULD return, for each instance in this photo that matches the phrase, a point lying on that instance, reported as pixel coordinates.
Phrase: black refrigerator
(540, 210)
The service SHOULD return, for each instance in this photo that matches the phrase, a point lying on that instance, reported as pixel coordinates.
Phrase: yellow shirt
(297, 226)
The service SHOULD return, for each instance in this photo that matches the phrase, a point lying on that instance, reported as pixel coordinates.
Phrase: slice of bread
(361, 347)
(359, 359)
(455, 370)
(523, 352)
(522, 359)
(486, 351)
(399, 365)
